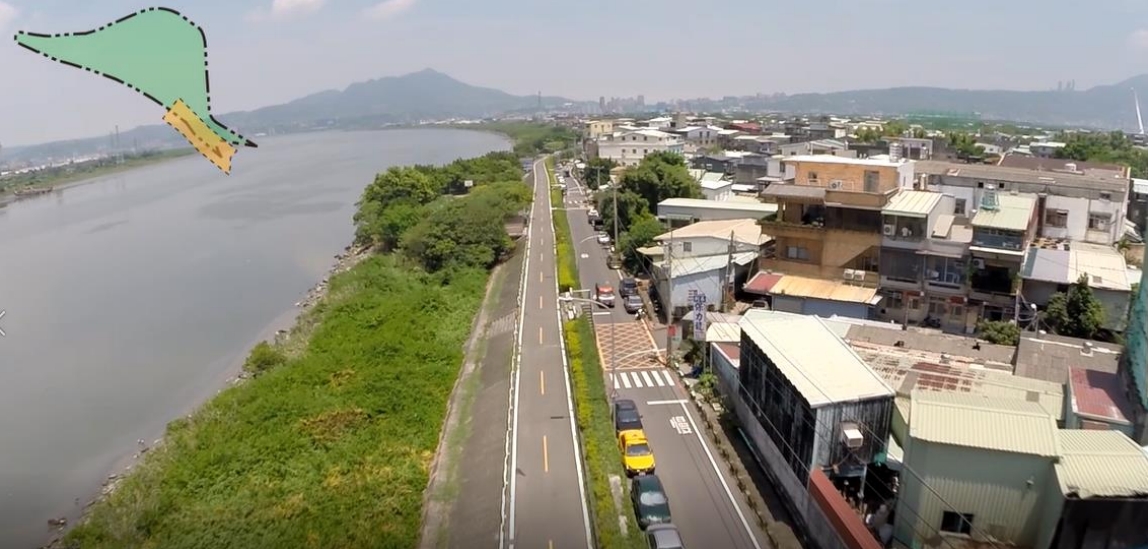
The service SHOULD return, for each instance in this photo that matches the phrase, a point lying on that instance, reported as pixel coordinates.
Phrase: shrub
(999, 332)
(263, 357)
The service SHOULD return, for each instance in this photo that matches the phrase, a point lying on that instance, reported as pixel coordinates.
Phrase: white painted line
(614, 380)
(669, 378)
(600, 313)
(658, 380)
(661, 402)
(646, 376)
(625, 379)
(717, 471)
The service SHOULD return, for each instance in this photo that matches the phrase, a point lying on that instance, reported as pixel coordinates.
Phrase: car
(604, 295)
(633, 303)
(592, 213)
(628, 287)
(626, 416)
(664, 536)
(651, 505)
(637, 456)
(604, 239)
(760, 304)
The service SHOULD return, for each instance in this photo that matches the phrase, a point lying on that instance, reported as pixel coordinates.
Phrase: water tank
(1071, 166)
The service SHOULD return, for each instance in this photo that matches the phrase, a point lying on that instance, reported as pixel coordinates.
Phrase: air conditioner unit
(835, 184)
(852, 438)
(978, 263)
(848, 274)
(859, 275)
(890, 230)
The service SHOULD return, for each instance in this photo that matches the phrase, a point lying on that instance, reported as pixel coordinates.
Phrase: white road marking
(625, 380)
(680, 425)
(658, 380)
(669, 377)
(646, 376)
(600, 313)
(615, 381)
(662, 402)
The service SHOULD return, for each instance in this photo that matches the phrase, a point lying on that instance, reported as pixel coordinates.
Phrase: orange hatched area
(210, 145)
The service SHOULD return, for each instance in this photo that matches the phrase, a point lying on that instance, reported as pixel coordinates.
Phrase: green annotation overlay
(159, 53)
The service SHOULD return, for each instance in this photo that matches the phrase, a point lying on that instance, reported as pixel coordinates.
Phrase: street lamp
(613, 340)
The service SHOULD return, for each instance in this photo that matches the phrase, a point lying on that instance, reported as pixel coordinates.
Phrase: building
(913, 148)
(715, 186)
(1138, 204)
(814, 296)
(1101, 492)
(628, 148)
(808, 404)
(1072, 206)
(1134, 362)
(980, 470)
(1065, 165)
(822, 146)
(1003, 228)
(1045, 149)
(699, 136)
(1041, 355)
(1097, 402)
(599, 128)
(685, 211)
(1051, 267)
(829, 214)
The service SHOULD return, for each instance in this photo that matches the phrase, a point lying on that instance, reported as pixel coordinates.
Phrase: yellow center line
(542, 381)
(545, 456)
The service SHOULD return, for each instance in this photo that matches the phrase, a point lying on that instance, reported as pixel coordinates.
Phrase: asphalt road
(704, 499)
(546, 504)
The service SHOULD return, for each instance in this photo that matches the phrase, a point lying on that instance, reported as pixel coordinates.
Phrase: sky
(265, 52)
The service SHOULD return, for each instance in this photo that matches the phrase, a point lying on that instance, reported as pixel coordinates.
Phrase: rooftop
(949, 227)
(1013, 213)
(829, 290)
(1094, 169)
(932, 346)
(912, 204)
(1105, 266)
(1098, 396)
(731, 350)
(1021, 175)
(819, 364)
(684, 266)
(1101, 464)
(756, 209)
(1048, 357)
(831, 159)
(744, 230)
(976, 421)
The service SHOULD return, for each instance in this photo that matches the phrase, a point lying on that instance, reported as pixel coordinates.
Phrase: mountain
(1106, 107)
(427, 94)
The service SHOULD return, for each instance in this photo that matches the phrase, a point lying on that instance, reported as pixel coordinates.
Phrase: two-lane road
(546, 503)
(704, 499)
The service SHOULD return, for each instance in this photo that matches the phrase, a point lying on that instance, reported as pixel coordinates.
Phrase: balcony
(854, 199)
(1005, 241)
(946, 274)
(994, 284)
(903, 232)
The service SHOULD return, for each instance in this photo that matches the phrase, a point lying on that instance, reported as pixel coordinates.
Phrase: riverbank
(323, 441)
(58, 179)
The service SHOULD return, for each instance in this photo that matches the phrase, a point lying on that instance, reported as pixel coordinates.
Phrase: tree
(404, 183)
(894, 128)
(965, 145)
(597, 170)
(631, 207)
(640, 234)
(1076, 313)
(867, 135)
(999, 332)
(659, 176)
(465, 233)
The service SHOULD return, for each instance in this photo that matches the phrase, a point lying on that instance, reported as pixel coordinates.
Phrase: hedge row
(567, 263)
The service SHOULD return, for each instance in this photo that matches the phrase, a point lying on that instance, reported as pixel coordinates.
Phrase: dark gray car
(664, 536)
(632, 303)
(626, 416)
(651, 505)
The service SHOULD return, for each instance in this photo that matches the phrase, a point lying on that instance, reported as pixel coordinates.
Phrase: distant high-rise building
(602, 103)
(641, 101)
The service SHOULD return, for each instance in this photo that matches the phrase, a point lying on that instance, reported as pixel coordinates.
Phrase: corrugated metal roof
(757, 209)
(1099, 395)
(976, 421)
(1013, 214)
(1101, 464)
(912, 203)
(746, 231)
(1105, 266)
(683, 266)
(832, 290)
(723, 332)
(761, 283)
(819, 364)
(789, 190)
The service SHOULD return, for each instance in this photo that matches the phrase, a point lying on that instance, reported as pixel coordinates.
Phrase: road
(704, 499)
(546, 504)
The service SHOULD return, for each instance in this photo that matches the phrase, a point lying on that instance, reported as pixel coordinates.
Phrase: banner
(699, 302)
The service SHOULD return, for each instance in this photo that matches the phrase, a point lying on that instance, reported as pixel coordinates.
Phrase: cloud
(8, 13)
(389, 8)
(1138, 40)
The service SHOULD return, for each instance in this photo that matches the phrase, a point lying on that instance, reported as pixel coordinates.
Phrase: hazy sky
(264, 52)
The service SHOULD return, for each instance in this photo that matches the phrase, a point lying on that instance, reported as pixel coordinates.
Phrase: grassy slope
(329, 451)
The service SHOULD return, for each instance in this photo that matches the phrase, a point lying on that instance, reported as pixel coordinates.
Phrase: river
(131, 299)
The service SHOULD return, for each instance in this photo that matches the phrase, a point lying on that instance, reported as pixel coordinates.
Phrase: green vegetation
(965, 145)
(597, 170)
(599, 447)
(1109, 148)
(1076, 313)
(531, 138)
(71, 173)
(329, 443)
(567, 263)
(999, 332)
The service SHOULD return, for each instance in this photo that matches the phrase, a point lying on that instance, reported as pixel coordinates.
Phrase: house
(660, 122)
(913, 148)
(1078, 207)
(630, 147)
(981, 468)
(808, 404)
(704, 257)
(1065, 165)
(598, 128)
(829, 214)
(1045, 149)
(823, 146)
(684, 211)
(745, 127)
(699, 136)
(1052, 266)
(715, 186)
(1003, 227)
(814, 296)
(1101, 493)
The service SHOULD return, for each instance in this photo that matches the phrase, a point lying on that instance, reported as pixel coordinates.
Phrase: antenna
(1139, 118)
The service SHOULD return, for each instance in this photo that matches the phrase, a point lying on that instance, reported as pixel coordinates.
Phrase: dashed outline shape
(189, 135)
(206, 71)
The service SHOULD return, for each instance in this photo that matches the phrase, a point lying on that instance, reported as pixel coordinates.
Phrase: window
(957, 523)
(872, 181)
(1056, 218)
(937, 306)
(687, 246)
(914, 303)
(635, 151)
(645, 151)
(1098, 221)
(797, 253)
(813, 177)
(959, 208)
(957, 312)
(1106, 196)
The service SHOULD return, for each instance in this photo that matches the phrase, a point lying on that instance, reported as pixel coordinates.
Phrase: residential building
(1097, 402)
(599, 128)
(913, 148)
(826, 130)
(660, 122)
(745, 127)
(1003, 227)
(1072, 206)
(829, 214)
(684, 211)
(1045, 149)
(699, 136)
(1138, 204)
(1065, 165)
(1052, 266)
(1050, 357)
(630, 147)
(822, 146)
(808, 404)
(814, 296)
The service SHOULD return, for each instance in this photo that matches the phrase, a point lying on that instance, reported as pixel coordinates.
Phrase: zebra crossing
(642, 379)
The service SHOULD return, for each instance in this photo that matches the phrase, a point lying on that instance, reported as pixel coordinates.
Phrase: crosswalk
(642, 379)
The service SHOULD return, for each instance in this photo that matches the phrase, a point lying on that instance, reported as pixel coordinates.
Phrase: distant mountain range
(429, 94)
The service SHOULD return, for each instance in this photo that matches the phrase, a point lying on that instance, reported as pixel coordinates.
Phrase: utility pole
(614, 188)
(727, 284)
(669, 299)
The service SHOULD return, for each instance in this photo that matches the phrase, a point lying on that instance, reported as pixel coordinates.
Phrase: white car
(592, 213)
(603, 239)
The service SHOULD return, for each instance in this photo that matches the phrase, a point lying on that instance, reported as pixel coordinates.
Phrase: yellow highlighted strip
(210, 145)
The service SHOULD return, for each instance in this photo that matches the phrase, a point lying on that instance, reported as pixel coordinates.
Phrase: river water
(131, 299)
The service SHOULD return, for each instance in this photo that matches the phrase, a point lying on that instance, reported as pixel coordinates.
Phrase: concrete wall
(852, 176)
(830, 251)
(1078, 210)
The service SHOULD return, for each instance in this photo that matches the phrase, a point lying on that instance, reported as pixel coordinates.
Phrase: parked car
(628, 287)
(604, 239)
(604, 294)
(664, 536)
(760, 304)
(592, 213)
(633, 303)
(637, 456)
(651, 505)
(626, 416)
